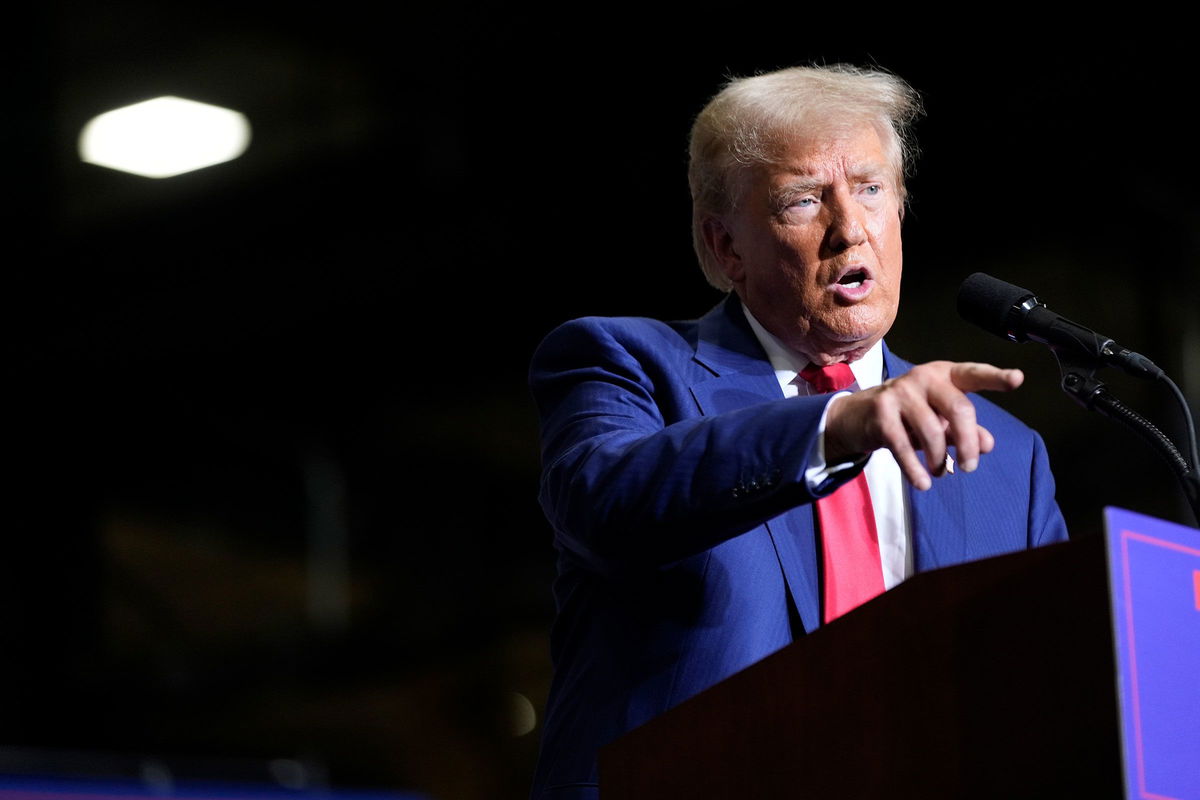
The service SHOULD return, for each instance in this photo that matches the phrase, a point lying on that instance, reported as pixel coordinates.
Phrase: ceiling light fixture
(164, 137)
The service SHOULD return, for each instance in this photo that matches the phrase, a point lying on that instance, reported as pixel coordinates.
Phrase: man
(690, 468)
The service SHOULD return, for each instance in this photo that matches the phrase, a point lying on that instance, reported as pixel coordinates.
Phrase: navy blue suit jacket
(673, 477)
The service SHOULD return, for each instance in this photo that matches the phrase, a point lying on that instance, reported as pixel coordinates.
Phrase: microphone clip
(1079, 376)
(1079, 381)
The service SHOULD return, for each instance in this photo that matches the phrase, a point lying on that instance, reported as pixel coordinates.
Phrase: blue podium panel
(1154, 572)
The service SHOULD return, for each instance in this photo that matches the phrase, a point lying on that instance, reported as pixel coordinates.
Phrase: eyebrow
(803, 182)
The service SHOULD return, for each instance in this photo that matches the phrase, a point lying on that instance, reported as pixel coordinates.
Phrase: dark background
(271, 464)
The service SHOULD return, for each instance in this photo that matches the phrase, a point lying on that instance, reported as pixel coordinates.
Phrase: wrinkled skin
(813, 249)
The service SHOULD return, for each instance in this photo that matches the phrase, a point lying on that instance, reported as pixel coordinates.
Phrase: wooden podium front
(989, 679)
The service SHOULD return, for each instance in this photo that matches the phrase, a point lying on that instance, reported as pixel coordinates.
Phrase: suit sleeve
(1046, 523)
(633, 476)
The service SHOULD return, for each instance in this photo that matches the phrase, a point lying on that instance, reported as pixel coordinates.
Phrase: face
(813, 248)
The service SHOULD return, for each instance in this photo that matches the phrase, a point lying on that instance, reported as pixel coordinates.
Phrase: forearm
(635, 475)
(618, 493)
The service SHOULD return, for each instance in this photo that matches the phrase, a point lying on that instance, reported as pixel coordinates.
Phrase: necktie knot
(832, 378)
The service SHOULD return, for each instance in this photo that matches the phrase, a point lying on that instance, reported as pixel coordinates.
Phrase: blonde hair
(749, 121)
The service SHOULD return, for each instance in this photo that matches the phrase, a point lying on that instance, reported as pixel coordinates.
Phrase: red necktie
(849, 541)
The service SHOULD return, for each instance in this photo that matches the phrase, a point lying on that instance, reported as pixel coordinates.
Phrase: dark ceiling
(315, 354)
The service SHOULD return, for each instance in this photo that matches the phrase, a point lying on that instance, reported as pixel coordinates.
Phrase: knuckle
(962, 409)
(905, 389)
(921, 371)
(883, 403)
(893, 432)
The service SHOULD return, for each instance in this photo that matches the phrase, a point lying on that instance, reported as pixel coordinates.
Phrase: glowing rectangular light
(164, 137)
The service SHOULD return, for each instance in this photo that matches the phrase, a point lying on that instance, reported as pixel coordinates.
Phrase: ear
(721, 246)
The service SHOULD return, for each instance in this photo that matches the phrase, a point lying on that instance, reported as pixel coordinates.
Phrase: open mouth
(853, 279)
(854, 284)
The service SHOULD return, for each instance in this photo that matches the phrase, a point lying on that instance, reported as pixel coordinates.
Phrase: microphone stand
(1079, 381)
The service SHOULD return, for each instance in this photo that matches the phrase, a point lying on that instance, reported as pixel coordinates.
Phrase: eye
(802, 202)
(874, 188)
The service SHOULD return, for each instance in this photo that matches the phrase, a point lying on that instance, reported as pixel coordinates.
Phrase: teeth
(853, 280)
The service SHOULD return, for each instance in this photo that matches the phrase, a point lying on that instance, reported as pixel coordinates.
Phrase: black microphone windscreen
(988, 302)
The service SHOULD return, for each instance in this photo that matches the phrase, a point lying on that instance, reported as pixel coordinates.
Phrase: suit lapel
(938, 515)
(742, 376)
(741, 373)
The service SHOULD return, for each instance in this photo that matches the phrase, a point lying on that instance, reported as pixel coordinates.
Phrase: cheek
(888, 246)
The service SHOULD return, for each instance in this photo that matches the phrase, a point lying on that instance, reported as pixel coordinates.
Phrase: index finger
(971, 376)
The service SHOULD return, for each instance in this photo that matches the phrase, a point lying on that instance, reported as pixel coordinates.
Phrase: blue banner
(1154, 569)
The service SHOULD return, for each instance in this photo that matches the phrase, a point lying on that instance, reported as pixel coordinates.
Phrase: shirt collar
(787, 363)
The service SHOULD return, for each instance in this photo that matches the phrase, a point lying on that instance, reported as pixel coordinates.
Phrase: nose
(847, 225)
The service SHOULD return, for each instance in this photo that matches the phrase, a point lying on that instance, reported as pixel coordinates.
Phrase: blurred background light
(164, 137)
(524, 718)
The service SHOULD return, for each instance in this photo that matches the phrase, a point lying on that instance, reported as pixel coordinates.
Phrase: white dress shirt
(884, 480)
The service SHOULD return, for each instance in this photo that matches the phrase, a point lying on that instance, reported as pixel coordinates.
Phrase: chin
(865, 328)
(864, 335)
(842, 346)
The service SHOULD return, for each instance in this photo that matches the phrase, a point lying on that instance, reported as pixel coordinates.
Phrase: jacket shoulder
(616, 341)
(622, 330)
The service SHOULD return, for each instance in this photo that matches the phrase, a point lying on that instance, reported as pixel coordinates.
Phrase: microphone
(1016, 314)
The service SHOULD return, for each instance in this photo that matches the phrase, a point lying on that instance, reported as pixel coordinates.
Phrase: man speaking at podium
(720, 487)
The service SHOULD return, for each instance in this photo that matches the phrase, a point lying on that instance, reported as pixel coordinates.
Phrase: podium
(1066, 671)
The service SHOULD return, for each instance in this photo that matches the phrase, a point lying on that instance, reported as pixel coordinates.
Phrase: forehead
(843, 152)
(819, 155)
